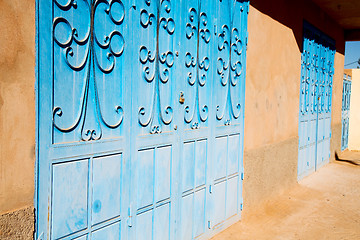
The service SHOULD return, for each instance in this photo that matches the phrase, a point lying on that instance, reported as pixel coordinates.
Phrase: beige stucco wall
(272, 82)
(274, 68)
(272, 94)
(354, 119)
(17, 104)
(335, 143)
(17, 224)
(337, 89)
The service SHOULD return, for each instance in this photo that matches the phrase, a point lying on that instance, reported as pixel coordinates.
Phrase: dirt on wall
(335, 142)
(272, 93)
(272, 82)
(273, 68)
(17, 104)
(17, 225)
(274, 163)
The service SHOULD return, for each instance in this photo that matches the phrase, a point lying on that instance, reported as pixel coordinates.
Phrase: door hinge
(241, 206)
(209, 224)
(210, 188)
(242, 176)
(129, 221)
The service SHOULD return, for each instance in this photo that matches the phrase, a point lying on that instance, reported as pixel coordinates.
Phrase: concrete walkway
(325, 205)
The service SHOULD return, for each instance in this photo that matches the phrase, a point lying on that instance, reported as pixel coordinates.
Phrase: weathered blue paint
(345, 112)
(140, 118)
(317, 69)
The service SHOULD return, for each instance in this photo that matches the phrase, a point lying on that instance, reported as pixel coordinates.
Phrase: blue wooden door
(308, 113)
(228, 99)
(196, 39)
(317, 67)
(140, 118)
(345, 112)
(82, 128)
(326, 71)
(155, 150)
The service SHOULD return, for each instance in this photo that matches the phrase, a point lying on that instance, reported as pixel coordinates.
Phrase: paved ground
(325, 205)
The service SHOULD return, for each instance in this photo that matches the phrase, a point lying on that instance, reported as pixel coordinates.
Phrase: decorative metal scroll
(229, 67)
(100, 54)
(197, 33)
(315, 81)
(316, 78)
(157, 62)
(326, 80)
(329, 73)
(305, 78)
(321, 81)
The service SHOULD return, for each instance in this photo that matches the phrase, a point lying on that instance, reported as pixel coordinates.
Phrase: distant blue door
(345, 112)
(317, 69)
(140, 118)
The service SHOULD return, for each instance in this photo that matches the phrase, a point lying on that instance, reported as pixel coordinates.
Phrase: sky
(352, 54)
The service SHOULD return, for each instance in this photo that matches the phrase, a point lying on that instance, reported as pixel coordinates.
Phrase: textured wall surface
(17, 118)
(272, 93)
(17, 225)
(337, 89)
(274, 68)
(335, 142)
(272, 82)
(268, 171)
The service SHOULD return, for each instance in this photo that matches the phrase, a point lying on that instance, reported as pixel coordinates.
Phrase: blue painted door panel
(82, 158)
(229, 87)
(196, 39)
(317, 67)
(154, 152)
(345, 112)
(140, 118)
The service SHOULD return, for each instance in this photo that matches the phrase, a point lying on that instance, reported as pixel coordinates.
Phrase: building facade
(233, 141)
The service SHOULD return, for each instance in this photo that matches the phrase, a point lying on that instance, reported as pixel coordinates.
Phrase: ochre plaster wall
(272, 93)
(335, 143)
(272, 82)
(17, 104)
(354, 126)
(18, 224)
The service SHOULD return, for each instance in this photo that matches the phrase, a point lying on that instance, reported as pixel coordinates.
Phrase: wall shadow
(292, 14)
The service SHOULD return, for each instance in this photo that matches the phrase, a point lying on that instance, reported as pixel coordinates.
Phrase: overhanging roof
(346, 13)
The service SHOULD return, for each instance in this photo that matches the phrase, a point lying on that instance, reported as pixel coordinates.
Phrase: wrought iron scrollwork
(330, 74)
(94, 47)
(229, 68)
(156, 65)
(198, 66)
(316, 77)
(303, 79)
